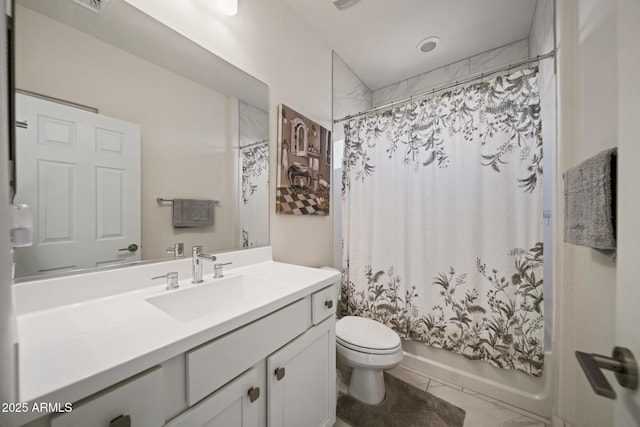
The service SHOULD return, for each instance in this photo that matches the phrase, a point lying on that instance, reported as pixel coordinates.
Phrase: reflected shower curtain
(254, 207)
(442, 221)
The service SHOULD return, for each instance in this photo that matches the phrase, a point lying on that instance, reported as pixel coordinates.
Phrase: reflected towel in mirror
(192, 213)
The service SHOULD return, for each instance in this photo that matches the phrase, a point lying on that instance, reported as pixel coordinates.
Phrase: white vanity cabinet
(300, 360)
(301, 385)
(236, 404)
(215, 363)
(135, 402)
(270, 366)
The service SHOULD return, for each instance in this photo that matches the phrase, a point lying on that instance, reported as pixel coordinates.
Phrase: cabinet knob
(279, 373)
(328, 303)
(121, 421)
(254, 394)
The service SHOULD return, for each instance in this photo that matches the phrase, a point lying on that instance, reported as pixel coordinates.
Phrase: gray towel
(589, 194)
(192, 213)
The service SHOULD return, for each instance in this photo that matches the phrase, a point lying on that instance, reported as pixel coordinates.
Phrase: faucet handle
(217, 269)
(172, 279)
(177, 250)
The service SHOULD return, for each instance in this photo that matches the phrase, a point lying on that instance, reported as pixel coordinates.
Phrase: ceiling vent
(428, 44)
(344, 4)
(96, 6)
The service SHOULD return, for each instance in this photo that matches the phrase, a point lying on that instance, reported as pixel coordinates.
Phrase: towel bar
(160, 200)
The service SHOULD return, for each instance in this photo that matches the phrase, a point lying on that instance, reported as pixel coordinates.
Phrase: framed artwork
(303, 181)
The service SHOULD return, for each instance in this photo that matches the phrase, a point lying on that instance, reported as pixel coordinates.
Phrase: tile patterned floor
(481, 411)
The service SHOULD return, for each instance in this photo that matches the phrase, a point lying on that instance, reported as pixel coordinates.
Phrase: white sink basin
(228, 293)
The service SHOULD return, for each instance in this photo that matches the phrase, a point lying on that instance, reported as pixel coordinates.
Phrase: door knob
(131, 248)
(622, 363)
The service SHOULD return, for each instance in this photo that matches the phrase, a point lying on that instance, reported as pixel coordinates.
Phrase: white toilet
(369, 347)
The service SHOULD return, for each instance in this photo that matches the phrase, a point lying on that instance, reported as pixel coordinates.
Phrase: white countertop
(69, 351)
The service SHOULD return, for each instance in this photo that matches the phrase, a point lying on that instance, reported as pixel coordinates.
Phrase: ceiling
(124, 26)
(378, 38)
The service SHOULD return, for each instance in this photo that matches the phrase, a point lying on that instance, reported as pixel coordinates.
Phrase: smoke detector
(344, 4)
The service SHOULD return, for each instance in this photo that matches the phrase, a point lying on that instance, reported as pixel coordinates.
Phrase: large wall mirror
(115, 111)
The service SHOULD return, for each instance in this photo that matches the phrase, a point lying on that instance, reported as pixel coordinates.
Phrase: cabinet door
(234, 405)
(301, 380)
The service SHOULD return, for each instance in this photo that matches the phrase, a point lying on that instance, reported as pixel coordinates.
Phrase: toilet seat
(366, 336)
(368, 350)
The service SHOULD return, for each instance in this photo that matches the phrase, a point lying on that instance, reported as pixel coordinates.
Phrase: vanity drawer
(139, 398)
(212, 365)
(323, 304)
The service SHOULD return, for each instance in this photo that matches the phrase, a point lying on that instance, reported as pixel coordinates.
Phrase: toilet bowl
(368, 347)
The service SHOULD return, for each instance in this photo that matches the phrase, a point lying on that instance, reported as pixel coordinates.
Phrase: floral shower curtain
(442, 221)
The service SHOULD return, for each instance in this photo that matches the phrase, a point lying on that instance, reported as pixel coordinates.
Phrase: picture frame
(303, 184)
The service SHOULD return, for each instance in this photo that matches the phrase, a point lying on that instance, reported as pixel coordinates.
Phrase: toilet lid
(366, 333)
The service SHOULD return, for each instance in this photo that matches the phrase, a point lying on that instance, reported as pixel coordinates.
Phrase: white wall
(541, 42)
(184, 145)
(267, 40)
(627, 406)
(587, 115)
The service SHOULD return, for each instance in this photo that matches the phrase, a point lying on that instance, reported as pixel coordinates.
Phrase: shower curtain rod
(253, 143)
(538, 58)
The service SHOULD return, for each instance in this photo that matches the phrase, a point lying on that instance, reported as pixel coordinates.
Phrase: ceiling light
(428, 44)
(228, 7)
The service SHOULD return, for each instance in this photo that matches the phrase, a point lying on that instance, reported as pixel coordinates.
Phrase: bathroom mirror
(114, 111)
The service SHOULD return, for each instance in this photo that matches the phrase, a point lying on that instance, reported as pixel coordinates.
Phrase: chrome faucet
(177, 250)
(196, 263)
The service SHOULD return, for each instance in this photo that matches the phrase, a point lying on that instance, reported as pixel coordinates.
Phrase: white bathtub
(516, 388)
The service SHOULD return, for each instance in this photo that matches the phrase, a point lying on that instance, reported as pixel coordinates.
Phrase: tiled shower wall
(350, 96)
(254, 214)
(469, 67)
(254, 124)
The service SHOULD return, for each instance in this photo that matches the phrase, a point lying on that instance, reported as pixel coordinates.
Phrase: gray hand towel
(589, 194)
(192, 213)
